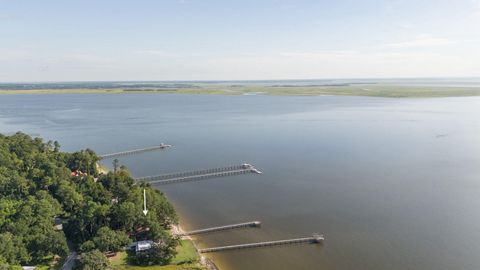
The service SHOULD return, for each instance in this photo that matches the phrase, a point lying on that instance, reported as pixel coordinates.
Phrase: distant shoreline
(363, 90)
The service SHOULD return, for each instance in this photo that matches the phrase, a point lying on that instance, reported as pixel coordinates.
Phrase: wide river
(392, 183)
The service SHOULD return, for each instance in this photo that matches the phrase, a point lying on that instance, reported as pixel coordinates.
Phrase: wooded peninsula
(55, 205)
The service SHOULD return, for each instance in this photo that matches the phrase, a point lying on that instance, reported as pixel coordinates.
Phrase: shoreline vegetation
(401, 89)
(204, 261)
(61, 209)
(187, 257)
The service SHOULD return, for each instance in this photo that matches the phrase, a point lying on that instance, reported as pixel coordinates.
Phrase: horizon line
(246, 80)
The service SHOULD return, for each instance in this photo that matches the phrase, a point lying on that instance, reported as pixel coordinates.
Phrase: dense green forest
(40, 186)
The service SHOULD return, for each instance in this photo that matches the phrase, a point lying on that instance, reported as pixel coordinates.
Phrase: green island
(58, 209)
(281, 88)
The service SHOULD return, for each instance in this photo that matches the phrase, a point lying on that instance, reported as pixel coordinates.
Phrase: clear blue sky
(63, 40)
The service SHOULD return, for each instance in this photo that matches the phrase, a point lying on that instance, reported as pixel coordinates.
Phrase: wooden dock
(200, 174)
(135, 151)
(314, 239)
(252, 224)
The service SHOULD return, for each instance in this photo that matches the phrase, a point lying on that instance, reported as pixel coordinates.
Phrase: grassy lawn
(119, 260)
(186, 259)
(186, 253)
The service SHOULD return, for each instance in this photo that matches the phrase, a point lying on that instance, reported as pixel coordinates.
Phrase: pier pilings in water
(223, 228)
(314, 239)
(199, 174)
(135, 151)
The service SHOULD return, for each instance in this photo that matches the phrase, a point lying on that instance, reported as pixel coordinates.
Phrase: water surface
(392, 183)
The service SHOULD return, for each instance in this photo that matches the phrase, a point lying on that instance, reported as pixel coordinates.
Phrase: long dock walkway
(223, 228)
(314, 239)
(135, 151)
(200, 174)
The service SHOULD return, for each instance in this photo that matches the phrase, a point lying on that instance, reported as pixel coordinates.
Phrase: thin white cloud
(422, 41)
(475, 3)
(354, 57)
(156, 53)
(7, 54)
(321, 54)
(334, 63)
(84, 58)
(406, 26)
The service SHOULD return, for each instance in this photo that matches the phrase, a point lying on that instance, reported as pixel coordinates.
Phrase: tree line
(100, 213)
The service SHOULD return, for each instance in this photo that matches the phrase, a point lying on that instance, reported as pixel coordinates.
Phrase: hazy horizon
(373, 79)
(189, 40)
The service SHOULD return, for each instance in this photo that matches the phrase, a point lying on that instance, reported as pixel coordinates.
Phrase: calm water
(392, 183)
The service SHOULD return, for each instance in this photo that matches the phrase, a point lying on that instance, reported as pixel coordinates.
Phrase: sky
(110, 40)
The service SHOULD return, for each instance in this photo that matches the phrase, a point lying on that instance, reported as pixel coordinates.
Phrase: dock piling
(200, 174)
(251, 224)
(135, 151)
(314, 239)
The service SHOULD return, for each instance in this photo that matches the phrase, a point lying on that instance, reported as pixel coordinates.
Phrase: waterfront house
(140, 246)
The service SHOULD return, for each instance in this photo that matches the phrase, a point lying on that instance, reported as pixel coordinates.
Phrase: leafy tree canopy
(40, 187)
(93, 260)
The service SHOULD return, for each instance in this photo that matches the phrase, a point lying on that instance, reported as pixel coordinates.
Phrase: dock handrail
(199, 174)
(222, 228)
(135, 151)
(314, 239)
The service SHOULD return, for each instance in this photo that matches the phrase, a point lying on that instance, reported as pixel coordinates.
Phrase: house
(77, 173)
(58, 224)
(143, 246)
(140, 246)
